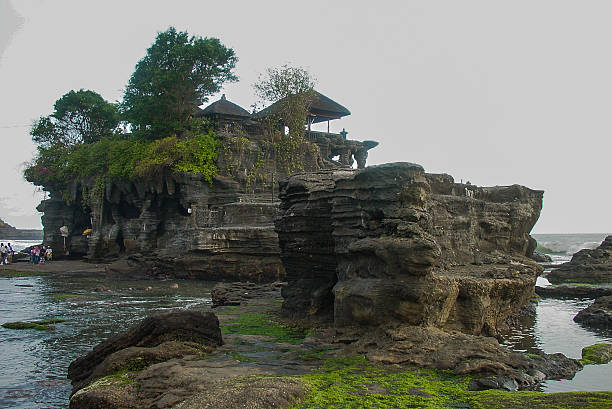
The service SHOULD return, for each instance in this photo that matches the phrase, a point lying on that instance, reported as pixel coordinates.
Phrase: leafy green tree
(81, 116)
(175, 77)
(292, 90)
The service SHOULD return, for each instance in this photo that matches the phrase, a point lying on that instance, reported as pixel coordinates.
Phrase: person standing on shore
(49, 254)
(36, 254)
(10, 253)
(3, 251)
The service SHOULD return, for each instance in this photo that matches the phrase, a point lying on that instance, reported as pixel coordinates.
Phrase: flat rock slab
(573, 291)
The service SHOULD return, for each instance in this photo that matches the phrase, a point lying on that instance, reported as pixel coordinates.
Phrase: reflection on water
(33, 373)
(553, 330)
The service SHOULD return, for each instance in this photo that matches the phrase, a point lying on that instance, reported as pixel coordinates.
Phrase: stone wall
(393, 243)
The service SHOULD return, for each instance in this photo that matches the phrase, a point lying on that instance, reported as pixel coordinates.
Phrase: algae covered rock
(597, 354)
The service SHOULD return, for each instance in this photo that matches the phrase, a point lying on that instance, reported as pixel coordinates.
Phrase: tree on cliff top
(81, 116)
(173, 79)
(291, 89)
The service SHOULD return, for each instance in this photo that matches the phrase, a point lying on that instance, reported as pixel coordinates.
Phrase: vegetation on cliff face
(79, 117)
(115, 156)
(291, 89)
(80, 139)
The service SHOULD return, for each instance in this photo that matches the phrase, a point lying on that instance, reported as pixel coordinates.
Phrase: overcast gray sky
(494, 92)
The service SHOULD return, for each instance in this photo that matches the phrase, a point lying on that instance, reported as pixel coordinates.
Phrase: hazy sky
(492, 92)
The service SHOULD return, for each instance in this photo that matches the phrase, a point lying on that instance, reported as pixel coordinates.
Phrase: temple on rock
(335, 148)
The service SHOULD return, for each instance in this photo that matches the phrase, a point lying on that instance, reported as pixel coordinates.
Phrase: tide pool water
(35, 363)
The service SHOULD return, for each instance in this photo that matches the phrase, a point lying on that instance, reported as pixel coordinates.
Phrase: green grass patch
(261, 324)
(10, 273)
(43, 325)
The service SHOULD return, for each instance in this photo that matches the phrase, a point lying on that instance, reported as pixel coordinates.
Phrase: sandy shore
(59, 266)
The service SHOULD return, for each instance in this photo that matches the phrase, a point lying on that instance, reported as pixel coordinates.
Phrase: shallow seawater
(553, 330)
(34, 363)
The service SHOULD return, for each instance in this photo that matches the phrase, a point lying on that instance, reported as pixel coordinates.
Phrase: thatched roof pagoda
(224, 109)
(321, 109)
(224, 113)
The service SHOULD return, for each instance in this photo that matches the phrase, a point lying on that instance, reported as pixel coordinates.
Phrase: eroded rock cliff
(393, 243)
(178, 224)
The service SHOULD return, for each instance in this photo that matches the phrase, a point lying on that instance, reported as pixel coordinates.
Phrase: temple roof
(322, 109)
(224, 107)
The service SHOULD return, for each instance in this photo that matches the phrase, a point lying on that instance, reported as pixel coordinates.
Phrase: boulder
(598, 314)
(541, 257)
(586, 266)
(181, 325)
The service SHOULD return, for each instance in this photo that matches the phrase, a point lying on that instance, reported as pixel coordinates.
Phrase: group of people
(38, 255)
(6, 253)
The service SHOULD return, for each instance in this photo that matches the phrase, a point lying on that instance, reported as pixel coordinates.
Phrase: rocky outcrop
(178, 224)
(490, 365)
(391, 242)
(586, 266)
(153, 339)
(598, 314)
(8, 232)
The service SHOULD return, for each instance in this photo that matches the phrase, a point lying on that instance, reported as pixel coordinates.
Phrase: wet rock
(495, 382)
(573, 291)
(491, 365)
(586, 266)
(541, 257)
(555, 366)
(598, 314)
(238, 292)
(186, 326)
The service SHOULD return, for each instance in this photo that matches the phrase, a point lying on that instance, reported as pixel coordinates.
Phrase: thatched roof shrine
(224, 109)
(321, 109)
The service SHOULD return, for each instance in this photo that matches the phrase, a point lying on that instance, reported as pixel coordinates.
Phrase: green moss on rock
(596, 354)
(261, 324)
(43, 325)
